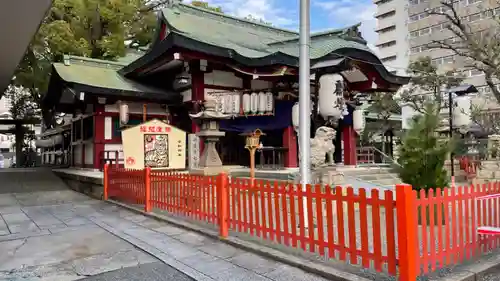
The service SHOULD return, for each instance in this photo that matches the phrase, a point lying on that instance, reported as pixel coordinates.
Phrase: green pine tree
(422, 154)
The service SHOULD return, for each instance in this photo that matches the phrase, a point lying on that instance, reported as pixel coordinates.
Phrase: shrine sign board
(154, 144)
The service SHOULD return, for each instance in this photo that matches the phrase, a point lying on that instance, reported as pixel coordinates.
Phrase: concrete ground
(48, 232)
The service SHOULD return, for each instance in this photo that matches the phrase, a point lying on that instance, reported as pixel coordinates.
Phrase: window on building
(469, 2)
(387, 44)
(386, 15)
(387, 29)
(414, 34)
(413, 18)
(386, 59)
(475, 72)
(424, 31)
(416, 2)
(475, 17)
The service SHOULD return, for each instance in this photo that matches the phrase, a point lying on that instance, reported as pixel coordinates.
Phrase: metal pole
(304, 99)
(450, 121)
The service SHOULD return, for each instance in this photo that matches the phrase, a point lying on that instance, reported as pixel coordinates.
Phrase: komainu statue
(322, 144)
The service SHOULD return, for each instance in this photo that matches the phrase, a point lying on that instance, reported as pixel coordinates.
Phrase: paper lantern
(235, 104)
(228, 104)
(124, 113)
(358, 120)
(220, 103)
(328, 98)
(407, 115)
(262, 102)
(254, 103)
(269, 102)
(295, 116)
(462, 113)
(246, 103)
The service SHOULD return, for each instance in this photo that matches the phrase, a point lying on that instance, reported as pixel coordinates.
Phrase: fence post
(105, 182)
(407, 235)
(147, 186)
(223, 204)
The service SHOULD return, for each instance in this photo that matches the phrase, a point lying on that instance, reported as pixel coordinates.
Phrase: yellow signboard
(154, 144)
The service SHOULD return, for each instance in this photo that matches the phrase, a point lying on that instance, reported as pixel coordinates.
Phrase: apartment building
(424, 28)
(392, 44)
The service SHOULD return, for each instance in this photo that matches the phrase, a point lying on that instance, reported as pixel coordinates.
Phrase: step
(360, 172)
(388, 182)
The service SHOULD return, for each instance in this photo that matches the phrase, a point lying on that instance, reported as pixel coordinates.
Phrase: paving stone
(206, 264)
(194, 239)
(220, 250)
(10, 210)
(254, 263)
(15, 218)
(76, 221)
(170, 230)
(26, 226)
(288, 273)
(236, 273)
(17, 236)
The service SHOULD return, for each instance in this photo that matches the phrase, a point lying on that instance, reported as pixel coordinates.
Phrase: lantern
(407, 115)
(254, 103)
(295, 116)
(269, 102)
(358, 120)
(246, 103)
(328, 98)
(462, 112)
(262, 103)
(228, 102)
(123, 108)
(235, 104)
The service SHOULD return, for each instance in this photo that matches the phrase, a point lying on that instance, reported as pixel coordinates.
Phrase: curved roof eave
(178, 40)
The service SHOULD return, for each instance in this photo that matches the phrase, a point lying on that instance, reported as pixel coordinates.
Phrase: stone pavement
(58, 234)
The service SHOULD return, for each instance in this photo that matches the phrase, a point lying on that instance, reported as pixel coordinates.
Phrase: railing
(111, 157)
(405, 235)
(271, 158)
(366, 155)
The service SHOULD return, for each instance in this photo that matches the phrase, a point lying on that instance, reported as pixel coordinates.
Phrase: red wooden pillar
(197, 93)
(98, 135)
(290, 142)
(349, 138)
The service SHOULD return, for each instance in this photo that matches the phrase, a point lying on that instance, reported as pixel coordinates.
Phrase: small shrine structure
(249, 70)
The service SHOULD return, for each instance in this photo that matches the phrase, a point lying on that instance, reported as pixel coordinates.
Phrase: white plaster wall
(115, 147)
(108, 128)
(89, 153)
(136, 108)
(77, 154)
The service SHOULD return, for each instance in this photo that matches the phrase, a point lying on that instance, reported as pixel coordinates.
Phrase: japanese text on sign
(154, 129)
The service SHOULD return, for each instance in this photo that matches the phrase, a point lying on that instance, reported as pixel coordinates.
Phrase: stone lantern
(210, 162)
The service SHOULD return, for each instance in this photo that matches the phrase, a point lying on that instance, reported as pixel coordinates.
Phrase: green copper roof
(254, 40)
(99, 74)
(252, 44)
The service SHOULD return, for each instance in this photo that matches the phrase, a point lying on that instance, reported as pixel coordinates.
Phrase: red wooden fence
(402, 233)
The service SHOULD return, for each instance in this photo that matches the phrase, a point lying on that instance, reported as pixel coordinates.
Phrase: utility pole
(305, 99)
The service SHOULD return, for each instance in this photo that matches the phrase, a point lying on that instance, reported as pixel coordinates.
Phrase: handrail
(387, 156)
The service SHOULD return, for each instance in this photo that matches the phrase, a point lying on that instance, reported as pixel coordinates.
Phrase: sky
(325, 14)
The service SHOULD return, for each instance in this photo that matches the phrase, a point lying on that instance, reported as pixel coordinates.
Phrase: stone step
(363, 172)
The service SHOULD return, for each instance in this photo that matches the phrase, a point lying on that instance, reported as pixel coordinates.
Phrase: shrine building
(250, 69)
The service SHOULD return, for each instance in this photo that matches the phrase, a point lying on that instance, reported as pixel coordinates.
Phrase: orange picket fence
(402, 233)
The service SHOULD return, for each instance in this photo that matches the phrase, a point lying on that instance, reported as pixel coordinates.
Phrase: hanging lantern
(228, 102)
(358, 120)
(220, 103)
(407, 115)
(269, 102)
(246, 103)
(295, 116)
(254, 103)
(328, 98)
(235, 104)
(462, 113)
(124, 113)
(262, 103)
